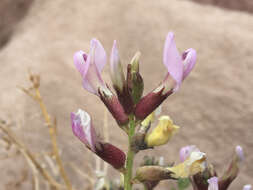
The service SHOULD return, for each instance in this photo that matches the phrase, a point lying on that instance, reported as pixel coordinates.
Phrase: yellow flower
(162, 133)
(194, 164)
(148, 120)
(151, 117)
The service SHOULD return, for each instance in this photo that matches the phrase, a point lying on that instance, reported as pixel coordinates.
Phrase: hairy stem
(130, 156)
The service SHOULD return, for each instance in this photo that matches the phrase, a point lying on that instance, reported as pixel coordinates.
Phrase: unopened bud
(154, 99)
(134, 80)
(152, 173)
(113, 105)
(111, 155)
(233, 169)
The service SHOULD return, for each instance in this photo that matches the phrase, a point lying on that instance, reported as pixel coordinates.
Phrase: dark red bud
(113, 105)
(125, 99)
(111, 154)
(150, 102)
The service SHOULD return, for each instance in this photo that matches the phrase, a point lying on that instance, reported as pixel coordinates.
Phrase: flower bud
(134, 80)
(152, 173)
(233, 169)
(111, 155)
(113, 105)
(116, 71)
(162, 133)
(153, 100)
(119, 82)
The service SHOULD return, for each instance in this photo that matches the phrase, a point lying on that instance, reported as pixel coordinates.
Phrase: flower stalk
(130, 156)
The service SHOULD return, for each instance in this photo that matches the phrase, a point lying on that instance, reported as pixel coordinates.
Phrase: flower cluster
(135, 113)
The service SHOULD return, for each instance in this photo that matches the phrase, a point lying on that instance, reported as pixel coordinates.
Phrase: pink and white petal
(80, 59)
(189, 59)
(172, 59)
(98, 54)
(186, 151)
(82, 128)
(89, 87)
(93, 78)
(213, 183)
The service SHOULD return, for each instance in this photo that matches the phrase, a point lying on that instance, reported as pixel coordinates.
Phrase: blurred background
(213, 107)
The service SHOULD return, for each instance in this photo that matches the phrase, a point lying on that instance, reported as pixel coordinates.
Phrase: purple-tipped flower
(213, 183)
(186, 151)
(239, 153)
(90, 66)
(83, 129)
(178, 66)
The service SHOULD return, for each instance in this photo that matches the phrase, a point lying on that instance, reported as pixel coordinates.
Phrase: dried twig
(35, 79)
(28, 155)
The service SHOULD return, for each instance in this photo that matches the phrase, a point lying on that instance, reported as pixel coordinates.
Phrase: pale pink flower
(83, 129)
(178, 66)
(90, 66)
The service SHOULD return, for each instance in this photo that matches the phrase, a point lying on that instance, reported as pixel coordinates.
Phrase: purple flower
(213, 183)
(178, 66)
(83, 129)
(90, 66)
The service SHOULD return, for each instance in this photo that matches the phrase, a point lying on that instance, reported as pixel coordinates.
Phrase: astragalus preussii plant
(135, 113)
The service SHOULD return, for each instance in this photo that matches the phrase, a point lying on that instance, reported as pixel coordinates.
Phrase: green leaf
(183, 183)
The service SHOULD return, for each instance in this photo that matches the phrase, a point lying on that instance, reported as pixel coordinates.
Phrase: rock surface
(213, 107)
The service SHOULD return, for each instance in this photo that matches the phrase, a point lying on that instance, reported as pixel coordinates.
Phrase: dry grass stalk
(29, 156)
(35, 94)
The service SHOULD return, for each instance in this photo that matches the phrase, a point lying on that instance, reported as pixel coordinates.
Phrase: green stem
(130, 156)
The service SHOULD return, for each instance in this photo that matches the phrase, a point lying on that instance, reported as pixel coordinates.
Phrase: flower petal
(213, 183)
(116, 70)
(189, 60)
(186, 151)
(98, 54)
(83, 129)
(80, 59)
(172, 59)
